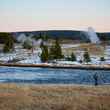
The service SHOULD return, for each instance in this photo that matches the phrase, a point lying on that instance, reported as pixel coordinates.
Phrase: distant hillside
(61, 34)
(104, 36)
(75, 35)
(65, 34)
(51, 33)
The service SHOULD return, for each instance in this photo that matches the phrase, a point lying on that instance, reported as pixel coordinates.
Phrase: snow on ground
(19, 53)
(27, 57)
(34, 59)
(7, 57)
(70, 45)
(68, 62)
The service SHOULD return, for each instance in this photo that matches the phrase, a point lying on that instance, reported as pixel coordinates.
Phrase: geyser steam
(91, 34)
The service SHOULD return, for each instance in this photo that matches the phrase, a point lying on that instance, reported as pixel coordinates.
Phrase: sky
(33, 15)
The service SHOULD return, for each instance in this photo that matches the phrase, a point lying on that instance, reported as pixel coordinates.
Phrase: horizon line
(51, 30)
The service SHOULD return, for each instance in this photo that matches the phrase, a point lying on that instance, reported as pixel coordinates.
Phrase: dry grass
(91, 48)
(16, 97)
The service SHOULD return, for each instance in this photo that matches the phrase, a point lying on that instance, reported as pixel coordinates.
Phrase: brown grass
(91, 48)
(45, 97)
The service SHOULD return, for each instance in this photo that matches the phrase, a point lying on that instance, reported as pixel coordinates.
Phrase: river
(52, 76)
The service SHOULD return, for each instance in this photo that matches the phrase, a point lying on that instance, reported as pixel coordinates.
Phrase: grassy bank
(16, 97)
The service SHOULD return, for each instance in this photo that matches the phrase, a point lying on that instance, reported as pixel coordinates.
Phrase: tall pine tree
(9, 44)
(55, 51)
(73, 57)
(44, 55)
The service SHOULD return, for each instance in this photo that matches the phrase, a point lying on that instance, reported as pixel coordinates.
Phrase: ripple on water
(52, 76)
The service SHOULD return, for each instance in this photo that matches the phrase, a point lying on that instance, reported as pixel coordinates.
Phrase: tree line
(54, 52)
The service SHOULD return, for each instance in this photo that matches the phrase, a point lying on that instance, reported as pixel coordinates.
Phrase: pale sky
(28, 15)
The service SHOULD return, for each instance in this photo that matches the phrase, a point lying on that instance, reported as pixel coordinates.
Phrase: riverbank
(54, 97)
(73, 66)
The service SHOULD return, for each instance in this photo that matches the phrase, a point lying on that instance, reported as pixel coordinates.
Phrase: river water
(52, 76)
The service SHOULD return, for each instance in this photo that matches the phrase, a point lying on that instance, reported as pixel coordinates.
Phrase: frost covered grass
(54, 97)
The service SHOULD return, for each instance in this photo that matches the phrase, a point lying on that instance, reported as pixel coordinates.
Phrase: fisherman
(95, 76)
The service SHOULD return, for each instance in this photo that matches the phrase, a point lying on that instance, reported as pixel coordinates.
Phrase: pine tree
(73, 57)
(58, 50)
(6, 48)
(44, 54)
(9, 44)
(102, 59)
(52, 53)
(45, 37)
(86, 57)
(55, 51)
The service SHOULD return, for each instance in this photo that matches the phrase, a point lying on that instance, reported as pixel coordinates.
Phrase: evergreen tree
(6, 48)
(55, 51)
(41, 44)
(68, 58)
(102, 59)
(45, 37)
(58, 50)
(73, 57)
(44, 55)
(52, 53)
(86, 57)
(9, 44)
(6, 36)
(40, 36)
